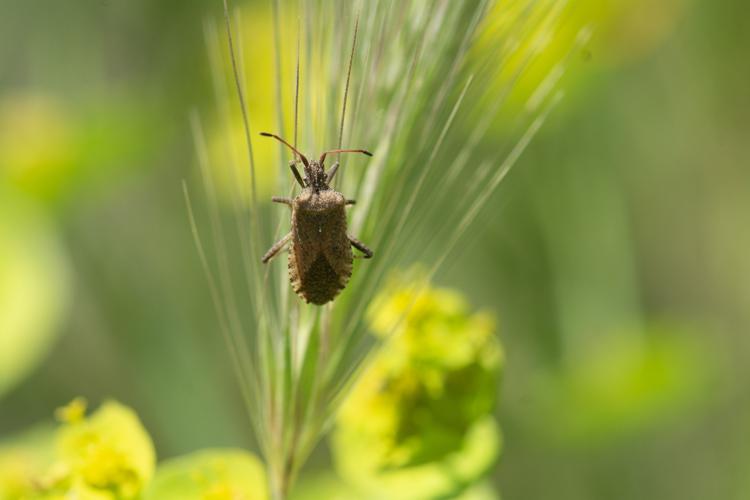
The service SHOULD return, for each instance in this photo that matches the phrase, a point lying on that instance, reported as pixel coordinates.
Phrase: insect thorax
(321, 201)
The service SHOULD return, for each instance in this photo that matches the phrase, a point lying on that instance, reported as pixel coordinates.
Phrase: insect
(320, 257)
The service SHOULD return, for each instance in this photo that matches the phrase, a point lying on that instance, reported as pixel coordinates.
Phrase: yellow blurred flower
(109, 456)
(20, 463)
(106, 456)
(73, 412)
(37, 143)
(429, 388)
(546, 38)
(226, 140)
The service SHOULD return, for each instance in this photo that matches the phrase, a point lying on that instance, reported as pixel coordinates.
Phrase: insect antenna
(301, 156)
(335, 151)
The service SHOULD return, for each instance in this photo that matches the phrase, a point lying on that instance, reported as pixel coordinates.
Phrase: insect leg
(276, 248)
(285, 201)
(293, 167)
(351, 202)
(331, 172)
(360, 246)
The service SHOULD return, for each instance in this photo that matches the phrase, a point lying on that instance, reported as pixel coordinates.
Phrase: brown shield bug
(320, 257)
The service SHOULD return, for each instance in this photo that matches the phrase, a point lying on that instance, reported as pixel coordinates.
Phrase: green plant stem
(281, 475)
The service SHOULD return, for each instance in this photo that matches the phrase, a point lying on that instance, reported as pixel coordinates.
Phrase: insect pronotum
(320, 257)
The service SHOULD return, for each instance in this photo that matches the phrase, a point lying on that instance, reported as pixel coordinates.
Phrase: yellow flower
(431, 385)
(107, 456)
(568, 42)
(17, 467)
(73, 412)
(37, 143)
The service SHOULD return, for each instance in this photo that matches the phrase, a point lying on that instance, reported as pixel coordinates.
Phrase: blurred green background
(615, 256)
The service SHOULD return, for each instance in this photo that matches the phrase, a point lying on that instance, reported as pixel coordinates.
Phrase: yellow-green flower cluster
(19, 463)
(107, 456)
(432, 381)
(110, 456)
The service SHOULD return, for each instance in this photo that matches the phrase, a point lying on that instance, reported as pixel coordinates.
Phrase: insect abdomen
(320, 283)
(320, 260)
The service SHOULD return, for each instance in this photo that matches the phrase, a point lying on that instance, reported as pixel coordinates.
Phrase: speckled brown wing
(320, 259)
